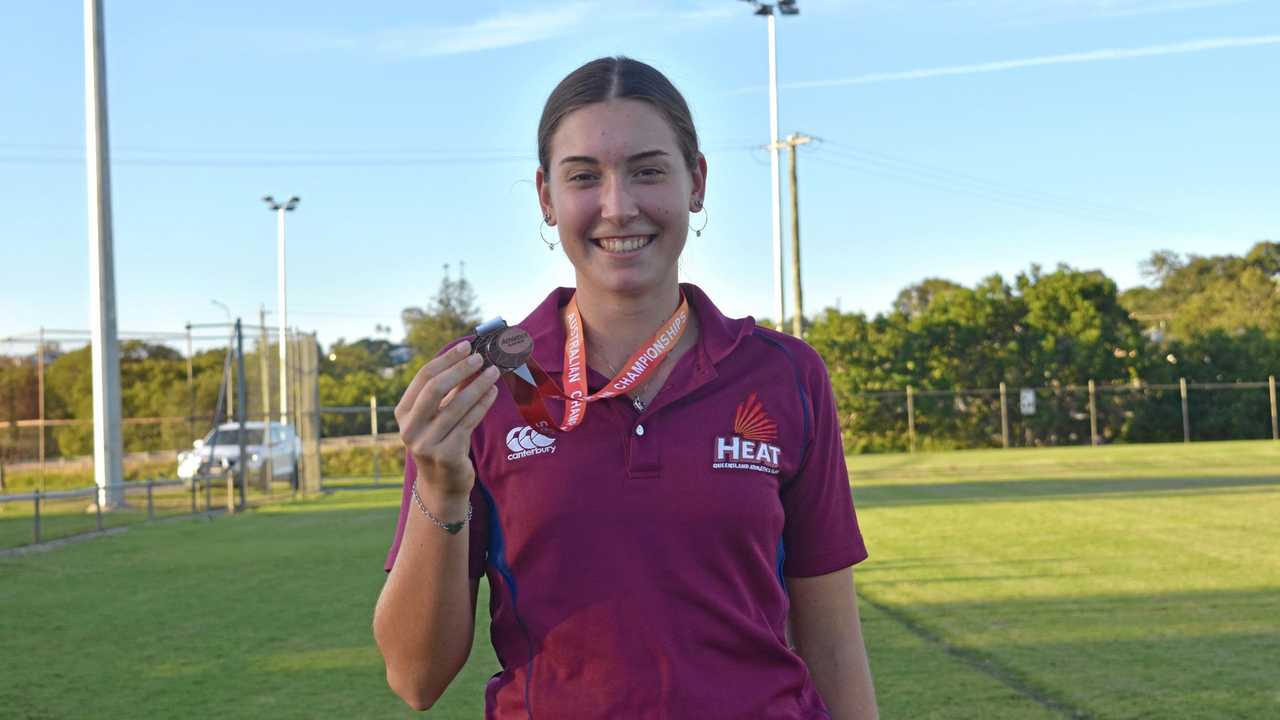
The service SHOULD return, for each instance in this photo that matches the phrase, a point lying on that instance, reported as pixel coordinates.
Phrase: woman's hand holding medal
(446, 401)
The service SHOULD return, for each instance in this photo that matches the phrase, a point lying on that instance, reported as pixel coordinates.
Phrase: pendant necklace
(636, 402)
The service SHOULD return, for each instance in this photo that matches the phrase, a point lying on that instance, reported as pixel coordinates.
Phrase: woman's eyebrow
(593, 161)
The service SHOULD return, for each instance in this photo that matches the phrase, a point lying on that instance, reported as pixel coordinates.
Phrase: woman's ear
(699, 176)
(544, 196)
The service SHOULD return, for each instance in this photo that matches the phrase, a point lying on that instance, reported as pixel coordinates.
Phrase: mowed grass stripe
(1119, 601)
(266, 614)
(1093, 597)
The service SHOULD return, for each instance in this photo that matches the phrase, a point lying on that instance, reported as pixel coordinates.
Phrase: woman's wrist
(449, 512)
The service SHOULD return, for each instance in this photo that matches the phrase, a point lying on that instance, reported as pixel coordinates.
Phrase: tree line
(1203, 318)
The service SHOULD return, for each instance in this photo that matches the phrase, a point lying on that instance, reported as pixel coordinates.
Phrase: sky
(955, 139)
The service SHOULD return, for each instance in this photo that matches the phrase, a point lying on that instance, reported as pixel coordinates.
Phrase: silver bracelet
(452, 528)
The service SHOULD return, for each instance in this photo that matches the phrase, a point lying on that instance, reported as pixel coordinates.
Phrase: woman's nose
(616, 203)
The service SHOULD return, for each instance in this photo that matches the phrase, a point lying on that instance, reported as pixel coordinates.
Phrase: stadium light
(280, 209)
(786, 7)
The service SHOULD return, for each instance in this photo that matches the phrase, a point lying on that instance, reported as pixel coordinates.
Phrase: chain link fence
(1092, 414)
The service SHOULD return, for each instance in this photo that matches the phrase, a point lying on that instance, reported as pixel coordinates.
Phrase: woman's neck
(617, 325)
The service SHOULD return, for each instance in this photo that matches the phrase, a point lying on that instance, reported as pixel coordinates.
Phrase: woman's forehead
(613, 130)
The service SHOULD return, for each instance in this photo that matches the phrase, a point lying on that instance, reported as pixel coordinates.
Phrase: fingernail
(475, 360)
(491, 371)
(462, 348)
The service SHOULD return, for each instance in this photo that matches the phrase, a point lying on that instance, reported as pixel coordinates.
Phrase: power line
(227, 158)
(999, 197)
(891, 161)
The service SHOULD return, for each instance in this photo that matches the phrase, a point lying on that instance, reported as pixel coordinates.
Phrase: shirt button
(640, 430)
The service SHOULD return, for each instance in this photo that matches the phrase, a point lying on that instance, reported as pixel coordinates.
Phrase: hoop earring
(706, 217)
(550, 245)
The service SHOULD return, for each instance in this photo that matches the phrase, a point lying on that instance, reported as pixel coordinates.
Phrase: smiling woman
(685, 549)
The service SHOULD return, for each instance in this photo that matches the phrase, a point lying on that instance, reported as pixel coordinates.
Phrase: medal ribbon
(638, 368)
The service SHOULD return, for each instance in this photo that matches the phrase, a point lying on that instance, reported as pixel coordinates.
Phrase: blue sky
(958, 138)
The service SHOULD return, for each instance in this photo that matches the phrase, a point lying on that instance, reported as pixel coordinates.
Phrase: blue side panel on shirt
(782, 557)
(498, 558)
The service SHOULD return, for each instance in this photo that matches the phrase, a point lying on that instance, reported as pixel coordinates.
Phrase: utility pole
(242, 414)
(40, 390)
(264, 373)
(797, 320)
(108, 469)
(191, 389)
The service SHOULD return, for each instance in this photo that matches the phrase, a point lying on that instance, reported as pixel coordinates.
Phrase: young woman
(647, 558)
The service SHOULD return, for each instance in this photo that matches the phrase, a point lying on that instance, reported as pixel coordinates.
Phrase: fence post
(97, 506)
(911, 417)
(1093, 414)
(37, 515)
(208, 497)
(1004, 417)
(151, 509)
(373, 430)
(1271, 389)
(1186, 416)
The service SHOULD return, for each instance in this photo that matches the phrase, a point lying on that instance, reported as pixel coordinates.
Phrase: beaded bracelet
(452, 528)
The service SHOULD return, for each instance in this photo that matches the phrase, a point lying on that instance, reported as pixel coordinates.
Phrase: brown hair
(617, 77)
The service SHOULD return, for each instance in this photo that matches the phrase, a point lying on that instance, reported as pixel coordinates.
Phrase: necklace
(636, 402)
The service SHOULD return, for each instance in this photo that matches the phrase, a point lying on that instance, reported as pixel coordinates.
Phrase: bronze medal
(506, 347)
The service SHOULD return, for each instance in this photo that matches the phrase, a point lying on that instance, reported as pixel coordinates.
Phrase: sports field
(1119, 582)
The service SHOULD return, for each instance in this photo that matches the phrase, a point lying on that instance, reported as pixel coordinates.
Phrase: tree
(451, 314)
(1197, 294)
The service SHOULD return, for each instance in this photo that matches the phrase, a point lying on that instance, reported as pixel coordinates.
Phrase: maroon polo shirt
(637, 565)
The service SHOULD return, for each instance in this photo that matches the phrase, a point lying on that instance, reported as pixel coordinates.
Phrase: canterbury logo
(524, 441)
(751, 445)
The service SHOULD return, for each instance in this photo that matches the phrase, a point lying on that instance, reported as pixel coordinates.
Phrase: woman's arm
(828, 635)
(425, 618)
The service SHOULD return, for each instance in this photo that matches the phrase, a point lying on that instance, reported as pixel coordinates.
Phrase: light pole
(786, 7)
(280, 209)
(108, 441)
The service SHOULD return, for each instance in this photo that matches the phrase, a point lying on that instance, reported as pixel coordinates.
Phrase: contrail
(1064, 59)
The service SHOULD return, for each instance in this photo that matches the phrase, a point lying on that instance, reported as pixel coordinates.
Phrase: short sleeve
(478, 527)
(821, 534)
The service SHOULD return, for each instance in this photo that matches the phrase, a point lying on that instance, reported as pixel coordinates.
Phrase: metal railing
(199, 490)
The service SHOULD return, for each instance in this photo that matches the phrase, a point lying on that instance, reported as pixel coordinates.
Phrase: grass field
(1118, 582)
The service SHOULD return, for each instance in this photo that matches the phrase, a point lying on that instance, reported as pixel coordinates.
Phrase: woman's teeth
(624, 244)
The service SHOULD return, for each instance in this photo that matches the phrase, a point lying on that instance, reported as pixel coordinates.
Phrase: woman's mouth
(623, 245)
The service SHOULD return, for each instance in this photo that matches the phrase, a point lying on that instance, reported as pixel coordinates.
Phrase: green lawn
(1118, 582)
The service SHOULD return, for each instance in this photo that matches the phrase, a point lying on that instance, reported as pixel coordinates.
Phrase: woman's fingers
(471, 419)
(433, 392)
(431, 369)
(463, 402)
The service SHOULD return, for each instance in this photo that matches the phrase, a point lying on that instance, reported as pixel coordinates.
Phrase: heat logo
(751, 445)
(524, 441)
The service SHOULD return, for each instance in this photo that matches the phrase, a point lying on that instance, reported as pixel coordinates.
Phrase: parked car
(285, 449)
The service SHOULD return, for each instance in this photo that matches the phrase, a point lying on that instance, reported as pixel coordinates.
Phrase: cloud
(505, 29)
(1051, 11)
(513, 28)
(1092, 56)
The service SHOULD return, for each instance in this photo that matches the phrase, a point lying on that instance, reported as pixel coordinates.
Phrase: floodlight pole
(280, 209)
(108, 470)
(786, 7)
(775, 182)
